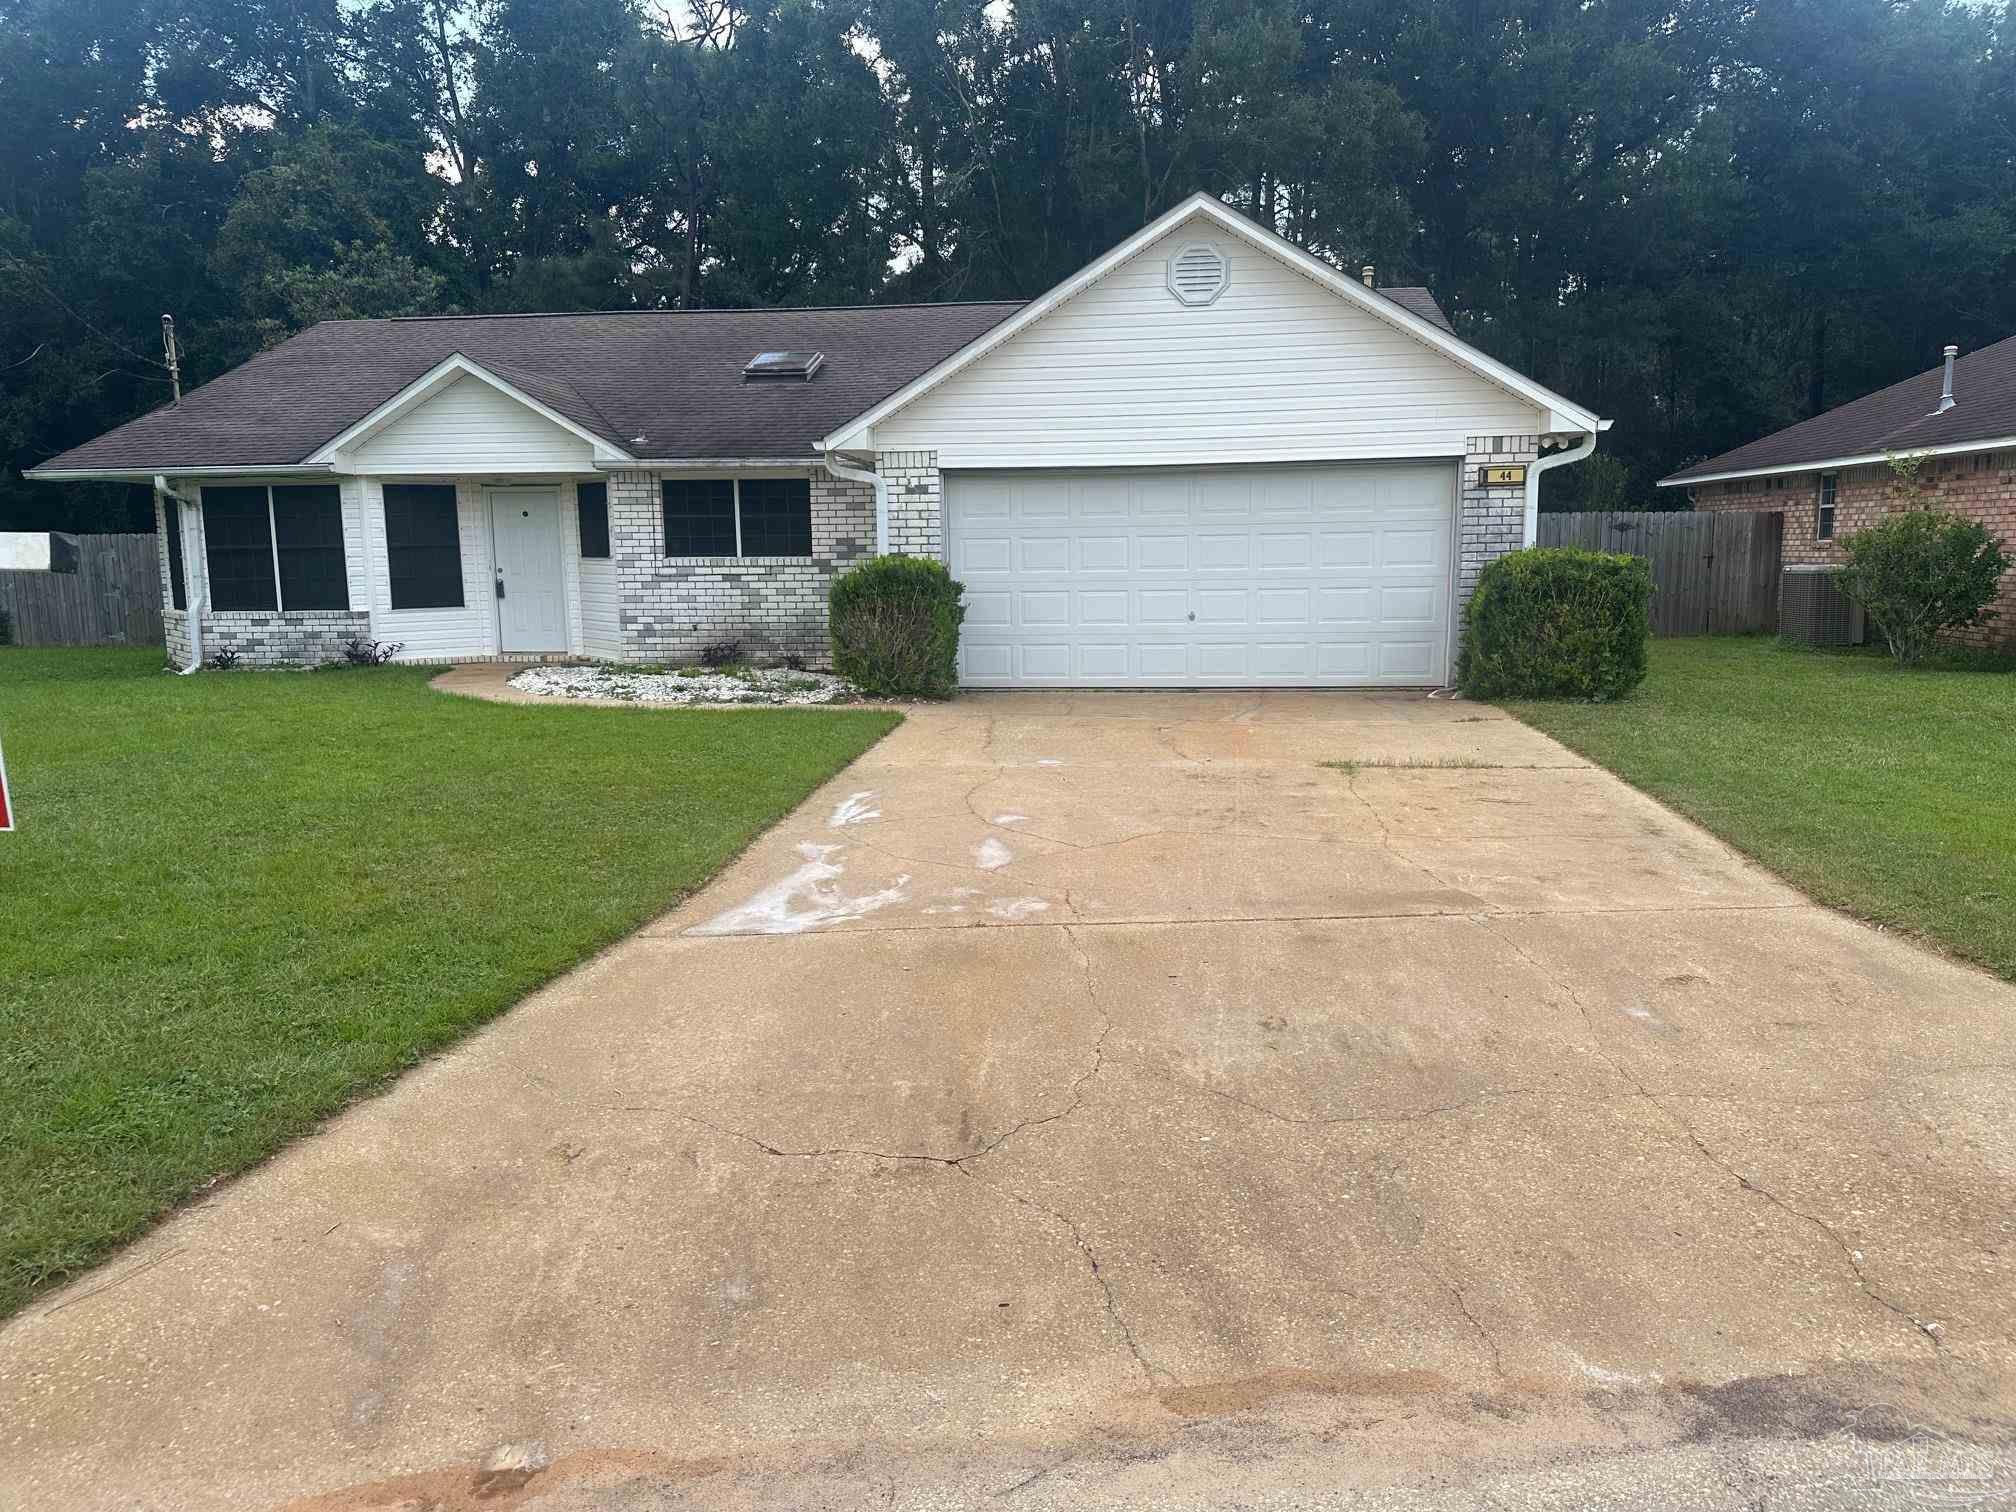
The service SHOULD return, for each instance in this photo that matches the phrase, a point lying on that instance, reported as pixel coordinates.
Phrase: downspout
(171, 515)
(1540, 465)
(875, 481)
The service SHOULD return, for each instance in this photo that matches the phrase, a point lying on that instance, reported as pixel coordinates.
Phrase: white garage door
(1229, 576)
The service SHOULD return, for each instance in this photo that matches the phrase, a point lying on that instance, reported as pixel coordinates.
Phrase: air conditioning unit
(1813, 611)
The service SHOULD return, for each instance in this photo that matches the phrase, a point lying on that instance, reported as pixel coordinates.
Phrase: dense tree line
(1706, 218)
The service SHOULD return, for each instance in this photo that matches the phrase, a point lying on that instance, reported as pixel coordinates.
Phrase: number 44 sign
(6, 803)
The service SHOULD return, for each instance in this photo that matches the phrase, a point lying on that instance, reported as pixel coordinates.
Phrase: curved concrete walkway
(1100, 1100)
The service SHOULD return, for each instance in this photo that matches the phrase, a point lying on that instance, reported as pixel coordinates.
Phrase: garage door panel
(1223, 606)
(1277, 549)
(1281, 606)
(1102, 606)
(1290, 575)
(1042, 554)
(983, 555)
(1102, 553)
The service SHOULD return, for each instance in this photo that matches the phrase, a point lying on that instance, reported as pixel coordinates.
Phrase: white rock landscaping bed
(751, 685)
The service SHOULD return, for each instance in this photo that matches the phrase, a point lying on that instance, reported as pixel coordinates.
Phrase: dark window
(699, 517)
(1823, 528)
(776, 517)
(238, 545)
(423, 546)
(594, 507)
(171, 526)
(308, 522)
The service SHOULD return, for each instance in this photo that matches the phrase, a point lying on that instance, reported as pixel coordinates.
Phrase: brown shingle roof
(659, 384)
(673, 378)
(1899, 418)
(1414, 298)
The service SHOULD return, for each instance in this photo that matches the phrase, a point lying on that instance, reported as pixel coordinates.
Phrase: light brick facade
(916, 502)
(1493, 519)
(1977, 487)
(773, 607)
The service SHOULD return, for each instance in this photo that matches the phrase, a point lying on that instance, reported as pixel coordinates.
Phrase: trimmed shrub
(1920, 573)
(895, 627)
(1553, 622)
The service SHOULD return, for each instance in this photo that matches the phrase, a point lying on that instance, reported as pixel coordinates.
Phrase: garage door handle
(1193, 614)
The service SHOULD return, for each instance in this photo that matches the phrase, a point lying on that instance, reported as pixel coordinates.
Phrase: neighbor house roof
(662, 385)
(1901, 418)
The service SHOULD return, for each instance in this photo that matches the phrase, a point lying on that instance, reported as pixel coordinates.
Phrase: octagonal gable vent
(1198, 273)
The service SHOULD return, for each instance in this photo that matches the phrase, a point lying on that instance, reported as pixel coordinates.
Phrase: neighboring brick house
(1207, 458)
(1832, 475)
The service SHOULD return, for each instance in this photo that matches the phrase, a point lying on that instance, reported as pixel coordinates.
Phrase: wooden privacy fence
(113, 598)
(1713, 573)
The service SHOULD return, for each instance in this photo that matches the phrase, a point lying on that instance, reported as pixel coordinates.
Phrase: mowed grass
(1889, 794)
(235, 901)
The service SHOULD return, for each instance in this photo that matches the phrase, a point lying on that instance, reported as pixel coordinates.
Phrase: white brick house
(1205, 459)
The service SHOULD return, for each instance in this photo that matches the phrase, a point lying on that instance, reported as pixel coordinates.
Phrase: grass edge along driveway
(237, 901)
(1884, 793)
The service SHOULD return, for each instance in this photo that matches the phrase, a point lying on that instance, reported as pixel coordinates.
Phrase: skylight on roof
(800, 365)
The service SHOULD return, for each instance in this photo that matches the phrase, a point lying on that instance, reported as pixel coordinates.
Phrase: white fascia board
(856, 433)
(332, 453)
(148, 474)
(719, 464)
(1830, 464)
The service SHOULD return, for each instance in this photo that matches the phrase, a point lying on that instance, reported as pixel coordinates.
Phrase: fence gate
(113, 598)
(1713, 572)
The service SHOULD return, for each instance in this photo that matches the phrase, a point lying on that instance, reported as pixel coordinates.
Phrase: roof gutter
(1542, 464)
(171, 516)
(875, 481)
(1829, 464)
(148, 475)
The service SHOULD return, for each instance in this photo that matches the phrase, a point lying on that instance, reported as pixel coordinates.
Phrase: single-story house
(1831, 475)
(1207, 458)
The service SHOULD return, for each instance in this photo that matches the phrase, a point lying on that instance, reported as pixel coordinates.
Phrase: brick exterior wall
(1863, 495)
(1492, 520)
(299, 637)
(670, 607)
(916, 502)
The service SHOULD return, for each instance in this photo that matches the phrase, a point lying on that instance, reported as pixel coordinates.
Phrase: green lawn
(236, 901)
(1889, 794)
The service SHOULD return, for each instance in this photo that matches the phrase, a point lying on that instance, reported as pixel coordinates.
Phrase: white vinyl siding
(601, 623)
(470, 425)
(1216, 576)
(436, 634)
(1276, 369)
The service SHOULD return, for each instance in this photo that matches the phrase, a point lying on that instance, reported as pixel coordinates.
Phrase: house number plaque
(1496, 476)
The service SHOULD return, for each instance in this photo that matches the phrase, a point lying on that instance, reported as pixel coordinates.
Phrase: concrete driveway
(1107, 1100)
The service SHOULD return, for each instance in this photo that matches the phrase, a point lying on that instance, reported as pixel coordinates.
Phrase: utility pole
(174, 356)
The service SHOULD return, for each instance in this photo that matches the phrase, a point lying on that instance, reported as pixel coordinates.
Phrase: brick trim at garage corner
(6, 799)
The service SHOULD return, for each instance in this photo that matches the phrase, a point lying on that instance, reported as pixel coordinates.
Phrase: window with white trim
(1823, 520)
(737, 517)
(275, 547)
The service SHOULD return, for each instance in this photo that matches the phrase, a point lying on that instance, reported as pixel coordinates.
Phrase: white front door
(531, 602)
(1332, 575)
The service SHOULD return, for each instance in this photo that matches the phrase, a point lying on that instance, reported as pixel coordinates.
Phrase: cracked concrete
(1093, 1099)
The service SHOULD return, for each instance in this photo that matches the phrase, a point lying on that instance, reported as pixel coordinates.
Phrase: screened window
(171, 528)
(776, 516)
(747, 517)
(700, 517)
(1823, 528)
(308, 543)
(423, 546)
(238, 546)
(593, 503)
(271, 548)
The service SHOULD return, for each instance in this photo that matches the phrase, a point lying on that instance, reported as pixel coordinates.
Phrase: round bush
(895, 627)
(1552, 622)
